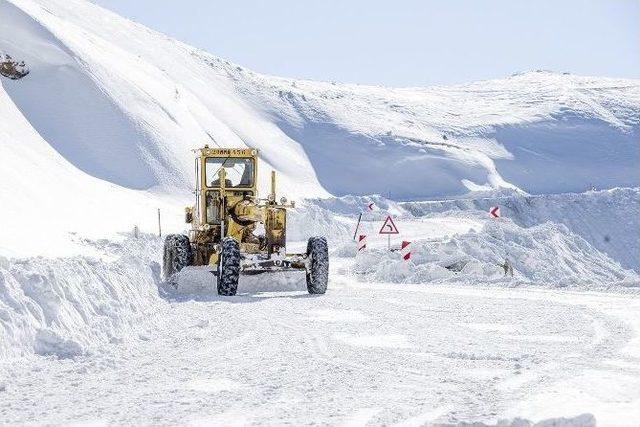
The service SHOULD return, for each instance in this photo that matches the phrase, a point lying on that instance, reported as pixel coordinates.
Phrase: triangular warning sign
(389, 227)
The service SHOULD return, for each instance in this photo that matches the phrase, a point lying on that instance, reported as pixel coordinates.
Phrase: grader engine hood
(247, 211)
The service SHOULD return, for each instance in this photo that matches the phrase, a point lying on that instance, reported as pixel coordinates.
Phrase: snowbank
(608, 220)
(309, 219)
(583, 420)
(547, 254)
(70, 306)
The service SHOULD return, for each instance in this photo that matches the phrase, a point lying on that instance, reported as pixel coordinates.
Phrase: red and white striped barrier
(405, 250)
(495, 212)
(362, 242)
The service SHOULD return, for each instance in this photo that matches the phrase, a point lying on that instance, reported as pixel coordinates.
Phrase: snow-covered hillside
(110, 100)
(44, 198)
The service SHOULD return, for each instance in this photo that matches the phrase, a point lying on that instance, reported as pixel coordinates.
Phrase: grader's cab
(234, 231)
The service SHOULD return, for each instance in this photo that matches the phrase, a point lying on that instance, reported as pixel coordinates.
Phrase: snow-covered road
(382, 354)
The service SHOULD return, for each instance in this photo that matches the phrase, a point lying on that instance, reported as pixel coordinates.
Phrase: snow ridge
(543, 255)
(606, 219)
(67, 307)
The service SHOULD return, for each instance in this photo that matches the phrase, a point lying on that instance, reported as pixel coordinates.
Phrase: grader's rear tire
(318, 270)
(229, 267)
(177, 254)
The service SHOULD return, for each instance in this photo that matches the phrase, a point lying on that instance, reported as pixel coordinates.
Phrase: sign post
(389, 228)
(362, 243)
(405, 250)
(357, 226)
(370, 207)
(494, 211)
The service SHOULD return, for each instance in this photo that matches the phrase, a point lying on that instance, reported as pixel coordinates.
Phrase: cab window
(239, 171)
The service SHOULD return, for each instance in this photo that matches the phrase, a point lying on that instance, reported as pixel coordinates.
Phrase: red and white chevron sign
(362, 242)
(405, 250)
(371, 206)
(495, 211)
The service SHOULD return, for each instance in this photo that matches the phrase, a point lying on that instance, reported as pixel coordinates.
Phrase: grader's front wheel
(318, 269)
(229, 267)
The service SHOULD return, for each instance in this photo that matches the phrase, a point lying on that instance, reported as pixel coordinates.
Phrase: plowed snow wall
(608, 220)
(71, 306)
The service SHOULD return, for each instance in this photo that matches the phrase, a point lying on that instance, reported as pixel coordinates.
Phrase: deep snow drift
(70, 306)
(608, 220)
(44, 198)
(546, 255)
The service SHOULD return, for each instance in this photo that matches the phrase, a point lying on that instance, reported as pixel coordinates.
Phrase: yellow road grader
(234, 231)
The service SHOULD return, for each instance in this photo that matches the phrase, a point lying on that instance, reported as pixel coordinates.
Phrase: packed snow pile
(607, 219)
(310, 219)
(98, 135)
(502, 252)
(70, 306)
(583, 420)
